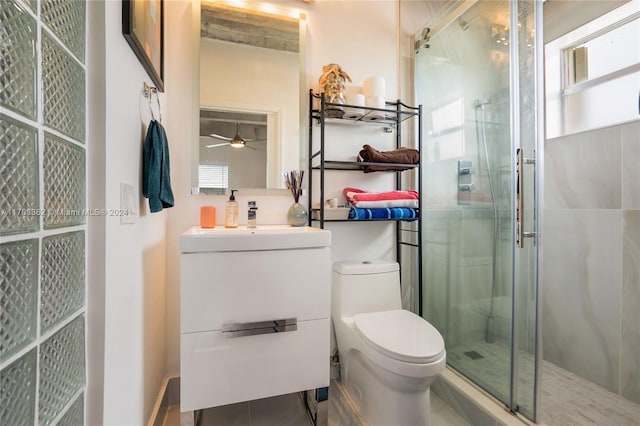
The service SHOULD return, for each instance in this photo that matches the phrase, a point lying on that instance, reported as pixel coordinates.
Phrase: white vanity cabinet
(255, 313)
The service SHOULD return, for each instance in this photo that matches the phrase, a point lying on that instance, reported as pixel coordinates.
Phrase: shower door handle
(519, 198)
(520, 162)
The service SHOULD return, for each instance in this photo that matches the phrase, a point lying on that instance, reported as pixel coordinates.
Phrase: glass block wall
(42, 211)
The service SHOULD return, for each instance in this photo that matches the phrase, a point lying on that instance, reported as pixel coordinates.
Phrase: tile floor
(289, 410)
(567, 399)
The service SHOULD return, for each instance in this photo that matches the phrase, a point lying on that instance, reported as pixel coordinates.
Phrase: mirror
(233, 151)
(250, 75)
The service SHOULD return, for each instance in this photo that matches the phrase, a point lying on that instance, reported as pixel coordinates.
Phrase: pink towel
(372, 200)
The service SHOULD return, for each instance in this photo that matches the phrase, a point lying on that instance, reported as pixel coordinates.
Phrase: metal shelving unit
(393, 114)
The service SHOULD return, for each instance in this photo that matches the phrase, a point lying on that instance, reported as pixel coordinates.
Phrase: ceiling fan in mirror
(236, 142)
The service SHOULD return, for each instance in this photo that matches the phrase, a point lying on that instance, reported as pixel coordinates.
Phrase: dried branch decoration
(332, 82)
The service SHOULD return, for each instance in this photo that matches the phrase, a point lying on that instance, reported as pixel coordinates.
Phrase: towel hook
(148, 92)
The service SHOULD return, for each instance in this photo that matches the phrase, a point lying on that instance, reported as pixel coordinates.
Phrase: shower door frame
(524, 156)
(540, 138)
(533, 158)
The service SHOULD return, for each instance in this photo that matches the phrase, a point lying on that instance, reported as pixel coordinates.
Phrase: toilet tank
(367, 286)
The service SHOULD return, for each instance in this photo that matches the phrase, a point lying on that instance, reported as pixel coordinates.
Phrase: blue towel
(156, 179)
(403, 213)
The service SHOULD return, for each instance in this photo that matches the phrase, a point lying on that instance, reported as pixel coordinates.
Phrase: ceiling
(563, 16)
(252, 126)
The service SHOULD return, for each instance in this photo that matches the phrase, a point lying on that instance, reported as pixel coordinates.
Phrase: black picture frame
(143, 28)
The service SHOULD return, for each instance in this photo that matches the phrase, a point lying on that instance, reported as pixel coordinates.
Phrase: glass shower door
(476, 81)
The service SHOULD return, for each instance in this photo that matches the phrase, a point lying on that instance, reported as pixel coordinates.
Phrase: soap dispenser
(231, 211)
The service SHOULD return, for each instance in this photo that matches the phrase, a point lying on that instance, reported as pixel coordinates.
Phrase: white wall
(134, 264)
(363, 40)
(96, 245)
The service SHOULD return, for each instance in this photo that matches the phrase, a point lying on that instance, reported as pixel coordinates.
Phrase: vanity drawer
(215, 370)
(240, 287)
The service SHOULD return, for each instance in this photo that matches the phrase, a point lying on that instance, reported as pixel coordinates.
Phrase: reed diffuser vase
(297, 214)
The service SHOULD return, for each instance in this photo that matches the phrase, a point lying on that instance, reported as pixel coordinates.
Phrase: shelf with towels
(318, 163)
(361, 220)
(407, 221)
(356, 165)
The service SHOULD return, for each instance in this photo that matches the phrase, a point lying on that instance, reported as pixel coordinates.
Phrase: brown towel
(398, 156)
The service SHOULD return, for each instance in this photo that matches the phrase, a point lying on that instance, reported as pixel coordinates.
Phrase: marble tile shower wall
(591, 273)
(42, 211)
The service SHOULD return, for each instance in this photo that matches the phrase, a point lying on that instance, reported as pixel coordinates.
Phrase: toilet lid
(401, 335)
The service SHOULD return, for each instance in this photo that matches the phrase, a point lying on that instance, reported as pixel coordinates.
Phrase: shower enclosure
(477, 69)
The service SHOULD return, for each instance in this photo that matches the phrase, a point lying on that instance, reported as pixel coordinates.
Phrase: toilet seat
(400, 335)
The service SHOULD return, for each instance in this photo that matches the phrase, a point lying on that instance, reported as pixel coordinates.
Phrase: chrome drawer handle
(261, 327)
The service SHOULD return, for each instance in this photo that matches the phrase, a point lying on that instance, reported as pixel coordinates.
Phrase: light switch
(128, 204)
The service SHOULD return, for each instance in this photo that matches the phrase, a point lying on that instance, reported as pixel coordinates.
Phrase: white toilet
(388, 356)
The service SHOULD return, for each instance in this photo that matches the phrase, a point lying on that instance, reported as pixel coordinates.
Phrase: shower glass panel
(476, 82)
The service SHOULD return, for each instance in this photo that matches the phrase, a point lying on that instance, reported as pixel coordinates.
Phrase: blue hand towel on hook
(156, 179)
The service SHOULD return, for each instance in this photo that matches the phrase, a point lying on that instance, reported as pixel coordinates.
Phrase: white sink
(264, 237)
